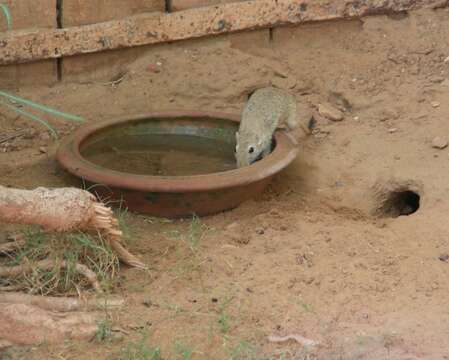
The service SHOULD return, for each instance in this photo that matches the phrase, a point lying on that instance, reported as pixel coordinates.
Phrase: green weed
(139, 350)
(104, 330)
(183, 350)
(243, 351)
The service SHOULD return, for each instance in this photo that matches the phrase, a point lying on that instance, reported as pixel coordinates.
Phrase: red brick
(29, 14)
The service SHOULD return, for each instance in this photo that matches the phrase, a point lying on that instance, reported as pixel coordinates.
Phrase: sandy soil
(308, 257)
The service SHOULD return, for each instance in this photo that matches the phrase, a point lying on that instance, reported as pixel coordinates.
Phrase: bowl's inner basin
(164, 147)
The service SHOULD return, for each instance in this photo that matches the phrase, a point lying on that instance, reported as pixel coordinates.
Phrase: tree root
(47, 265)
(63, 209)
(26, 325)
(104, 222)
(61, 304)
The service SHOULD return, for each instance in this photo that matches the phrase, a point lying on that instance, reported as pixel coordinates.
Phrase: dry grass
(74, 248)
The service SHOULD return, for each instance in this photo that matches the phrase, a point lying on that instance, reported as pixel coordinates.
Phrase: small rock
(330, 112)
(260, 231)
(435, 104)
(214, 300)
(446, 60)
(439, 143)
(154, 68)
(281, 73)
(444, 257)
(392, 130)
(436, 79)
(43, 149)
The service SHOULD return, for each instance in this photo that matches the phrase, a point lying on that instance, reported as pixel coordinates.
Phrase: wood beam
(154, 28)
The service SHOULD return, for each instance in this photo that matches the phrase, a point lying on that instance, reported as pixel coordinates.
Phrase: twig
(114, 82)
(12, 137)
(298, 338)
(12, 246)
(10, 288)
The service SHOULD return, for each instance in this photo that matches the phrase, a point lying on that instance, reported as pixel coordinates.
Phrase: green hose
(4, 8)
(7, 14)
(31, 116)
(42, 107)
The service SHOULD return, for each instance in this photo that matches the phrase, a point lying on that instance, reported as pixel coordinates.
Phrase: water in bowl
(162, 155)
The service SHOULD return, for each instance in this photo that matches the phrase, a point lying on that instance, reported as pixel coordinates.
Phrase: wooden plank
(101, 66)
(178, 5)
(85, 12)
(193, 23)
(29, 14)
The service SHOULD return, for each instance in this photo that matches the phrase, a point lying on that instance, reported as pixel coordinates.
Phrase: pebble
(153, 68)
(260, 231)
(43, 149)
(435, 104)
(444, 257)
(392, 130)
(439, 143)
(330, 112)
(446, 60)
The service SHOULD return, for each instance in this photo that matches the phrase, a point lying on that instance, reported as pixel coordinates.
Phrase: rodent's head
(248, 150)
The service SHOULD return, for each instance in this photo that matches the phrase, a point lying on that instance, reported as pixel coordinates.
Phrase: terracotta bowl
(174, 196)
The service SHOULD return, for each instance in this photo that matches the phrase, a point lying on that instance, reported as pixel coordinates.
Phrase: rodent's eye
(250, 149)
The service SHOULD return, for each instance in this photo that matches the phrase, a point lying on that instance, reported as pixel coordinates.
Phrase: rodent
(266, 109)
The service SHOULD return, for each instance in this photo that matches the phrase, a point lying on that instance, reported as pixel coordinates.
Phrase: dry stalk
(47, 265)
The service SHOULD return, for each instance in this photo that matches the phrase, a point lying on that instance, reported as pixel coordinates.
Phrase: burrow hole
(400, 203)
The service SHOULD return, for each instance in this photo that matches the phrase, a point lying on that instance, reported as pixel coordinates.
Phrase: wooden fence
(48, 16)
(32, 14)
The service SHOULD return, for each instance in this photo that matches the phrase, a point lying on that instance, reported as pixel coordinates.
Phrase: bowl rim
(69, 157)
